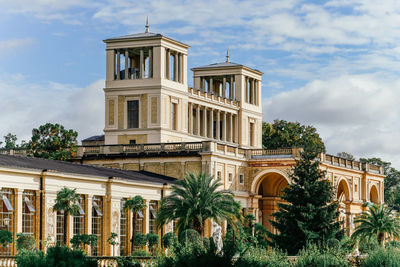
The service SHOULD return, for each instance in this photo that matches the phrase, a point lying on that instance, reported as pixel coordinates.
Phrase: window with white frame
(153, 207)
(97, 224)
(79, 219)
(123, 230)
(29, 212)
(6, 216)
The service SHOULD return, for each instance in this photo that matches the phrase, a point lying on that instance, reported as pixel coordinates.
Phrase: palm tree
(195, 199)
(376, 222)
(135, 204)
(67, 202)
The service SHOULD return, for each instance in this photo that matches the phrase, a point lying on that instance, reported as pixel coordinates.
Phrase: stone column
(253, 85)
(205, 121)
(168, 65)
(190, 117)
(126, 64)
(211, 86)
(179, 68)
(142, 63)
(118, 65)
(151, 62)
(218, 125)
(230, 129)
(175, 67)
(198, 120)
(224, 87)
(203, 83)
(224, 126)
(211, 128)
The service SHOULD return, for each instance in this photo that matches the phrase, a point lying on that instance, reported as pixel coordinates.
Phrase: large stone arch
(373, 194)
(343, 195)
(343, 191)
(268, 186)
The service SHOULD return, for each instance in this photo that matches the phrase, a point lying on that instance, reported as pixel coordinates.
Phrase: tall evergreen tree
(309, 213)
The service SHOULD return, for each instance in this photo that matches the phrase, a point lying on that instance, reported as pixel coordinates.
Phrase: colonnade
(252, 86)
(176, 72)
(135, 63)
(222, 86)
(212, 123)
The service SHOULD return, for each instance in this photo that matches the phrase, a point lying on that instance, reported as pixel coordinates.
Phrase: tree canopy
(346, 155)
(309, 214)
(284, 134)
(53, 141)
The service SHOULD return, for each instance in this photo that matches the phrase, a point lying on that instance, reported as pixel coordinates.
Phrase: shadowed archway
(373, 195)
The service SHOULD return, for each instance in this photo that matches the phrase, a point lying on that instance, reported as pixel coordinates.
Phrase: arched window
(79, 220)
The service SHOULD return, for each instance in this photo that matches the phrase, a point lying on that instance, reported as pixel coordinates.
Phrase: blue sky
(333, 64)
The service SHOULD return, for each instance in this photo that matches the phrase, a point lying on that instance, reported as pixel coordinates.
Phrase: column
(168, 74)
(190, 114)
(224, 87)
(218, 125)
(175, 67)
(224, 126)
(126, 64)
(230, 129)
(205, 122)
(151, 62)
(231, 89)
(198, 120)
(253, 94)
(211, 128)
(210, 86)
(118, 65)
(179, 67)
(141, 63)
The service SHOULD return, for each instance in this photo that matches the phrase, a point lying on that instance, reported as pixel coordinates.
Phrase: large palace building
(158, 128)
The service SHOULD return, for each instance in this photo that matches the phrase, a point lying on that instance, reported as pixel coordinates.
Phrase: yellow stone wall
(111, 105)
(131, 166)
(143, 111)
(121, 105)
(154, 110)
(140, 138)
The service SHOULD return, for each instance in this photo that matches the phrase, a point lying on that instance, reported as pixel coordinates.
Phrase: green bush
(189, 235)
(29, 258)
(140, 240)
(152, 240)
(315, 257)
(5, 237)
(64, 256)
(169, 239)
(382, 257)
(80, 240)
(367, 246)
(393, 244)
(258, 257)
(140, 253)
(127, 262)
(25, 241)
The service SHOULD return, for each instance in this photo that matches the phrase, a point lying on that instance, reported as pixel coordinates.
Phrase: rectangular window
(241, 178)
(6, 216)
(97, 224)
(60, 228)
(219, 175)
(79, 220)
(123, 229)
(139, 222)
(28, 212)
(174, 116)
(133, 113)
(153, 207)
(230, 178)
(251, 134)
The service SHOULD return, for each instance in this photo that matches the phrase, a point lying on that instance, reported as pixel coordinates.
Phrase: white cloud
(7, 46)
(27, 105)
(353, 113)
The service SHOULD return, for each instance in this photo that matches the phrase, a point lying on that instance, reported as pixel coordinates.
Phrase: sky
(331, 64)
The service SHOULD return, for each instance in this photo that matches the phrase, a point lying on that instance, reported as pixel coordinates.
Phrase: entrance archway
(373, 195)
(343, 196)
(270, 188)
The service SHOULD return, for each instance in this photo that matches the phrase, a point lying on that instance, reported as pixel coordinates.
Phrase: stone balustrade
(7, 261)
(212, 97)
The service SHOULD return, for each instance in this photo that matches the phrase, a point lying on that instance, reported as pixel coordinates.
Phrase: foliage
(127, 262)
(382, 257)
(169, 239)
(376, 222)
(261, 234)
(189, 235)
(140, 240)
(5, 237)
(284, 134)
(30, 258)
(346, 155)
(80, 240)
(310, 212)
(10, 141)
(67, 202)
(140, 253)
(393, 244)
(112, 240)
(312, 256)
(366, 246)
(195, 199)
(134, 204)
(260, 258)
(152, 240)
(53, 141)
(64, 256)
(25, 241)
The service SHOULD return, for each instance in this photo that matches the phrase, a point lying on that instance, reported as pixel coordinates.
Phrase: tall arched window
(6, 216)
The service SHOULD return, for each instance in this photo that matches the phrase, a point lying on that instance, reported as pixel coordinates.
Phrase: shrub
(127, 262)
(25, 241)
(140, 240)
(29, 258)
(5, 237)
(259, 257)
(64, 256)
(152, 240)
(312, 256)
(78, 241)
(140, 253)
(112, 240)
(367, 246)
(382, 257)
(189, 235)
(393, 244)
(169, 239)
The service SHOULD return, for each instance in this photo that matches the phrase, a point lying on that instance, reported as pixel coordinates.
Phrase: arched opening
(343, 195)
(270, 189)
(373, 195)
(343, 192)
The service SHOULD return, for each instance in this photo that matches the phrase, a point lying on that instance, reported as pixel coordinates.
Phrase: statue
(217, 236)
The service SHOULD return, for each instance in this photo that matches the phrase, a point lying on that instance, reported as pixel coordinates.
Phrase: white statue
(217, 236)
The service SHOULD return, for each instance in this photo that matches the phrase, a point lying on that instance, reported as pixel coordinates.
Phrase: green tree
(195, 199)
(53, 141)
(376, 222)
(6, 238)
(67, 203)
(10, 141)
(284, 134)
(135, 204)
(310, 212)
(346, 155)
